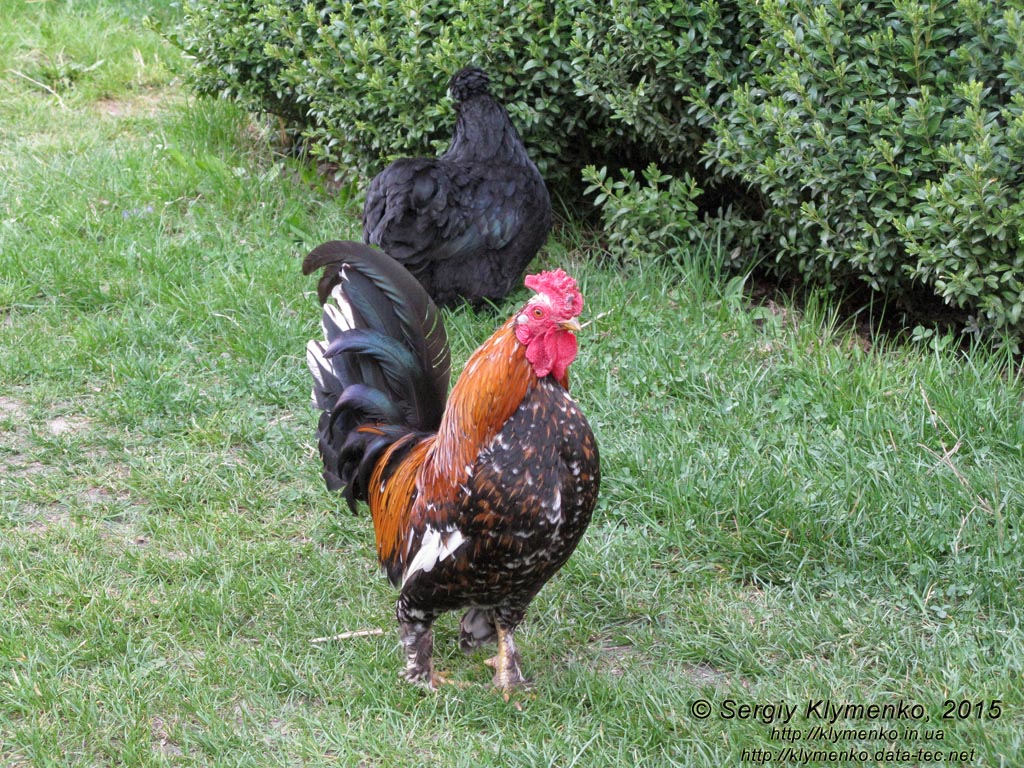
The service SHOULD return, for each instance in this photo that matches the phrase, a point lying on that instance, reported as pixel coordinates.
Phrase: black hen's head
(468, 82)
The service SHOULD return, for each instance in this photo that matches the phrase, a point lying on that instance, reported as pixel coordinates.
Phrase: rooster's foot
(507, 674)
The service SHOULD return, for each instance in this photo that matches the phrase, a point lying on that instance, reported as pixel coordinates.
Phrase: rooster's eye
(538, 312)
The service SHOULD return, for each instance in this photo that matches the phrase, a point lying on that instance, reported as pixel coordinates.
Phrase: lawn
(814, 535)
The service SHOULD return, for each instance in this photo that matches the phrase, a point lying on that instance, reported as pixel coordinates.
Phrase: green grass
(787, 512)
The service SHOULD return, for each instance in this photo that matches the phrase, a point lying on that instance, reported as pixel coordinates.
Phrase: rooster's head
(547, 325)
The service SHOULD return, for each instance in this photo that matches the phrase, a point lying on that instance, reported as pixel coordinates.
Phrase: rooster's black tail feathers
(383, 367)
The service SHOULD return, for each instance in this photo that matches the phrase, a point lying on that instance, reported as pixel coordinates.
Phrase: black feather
(468, 223)
(371, 405)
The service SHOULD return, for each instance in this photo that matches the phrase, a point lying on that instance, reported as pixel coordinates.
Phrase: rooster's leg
(418, 641)
(507, 674)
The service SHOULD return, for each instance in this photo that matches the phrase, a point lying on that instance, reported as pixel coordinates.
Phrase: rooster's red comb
(558, 286)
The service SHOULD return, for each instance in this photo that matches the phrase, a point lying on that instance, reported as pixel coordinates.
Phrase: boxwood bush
(880, 143)
(230, 42)
(642, 62)
(886, 139)
(367, 78)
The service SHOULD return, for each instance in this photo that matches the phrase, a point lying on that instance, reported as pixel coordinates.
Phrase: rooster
(478, 497)
(467, 223)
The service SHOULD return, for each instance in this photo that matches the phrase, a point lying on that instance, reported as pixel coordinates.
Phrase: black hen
(467, 223)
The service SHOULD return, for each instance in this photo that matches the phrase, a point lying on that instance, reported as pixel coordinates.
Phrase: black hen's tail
(384, 361)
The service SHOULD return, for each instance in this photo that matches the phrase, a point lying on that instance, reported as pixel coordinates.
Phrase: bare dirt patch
(13, 408)
(148, 103)
(26, 466)
(11, 759)
(162, 741)
(21, 465)
(15, 460)
(703, 675)
(40, 519)
(16, 457)
(61, 425)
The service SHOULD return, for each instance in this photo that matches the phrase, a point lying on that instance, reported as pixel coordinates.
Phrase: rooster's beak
(572, 324)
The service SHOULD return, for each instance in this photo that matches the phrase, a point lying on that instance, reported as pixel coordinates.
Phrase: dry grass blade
(348, 635)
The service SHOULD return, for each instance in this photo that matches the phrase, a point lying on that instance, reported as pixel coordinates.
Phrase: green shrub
(645, 64)
(230, 42)
(965, 233)
(368, 78)
(886, 139)
(658, 215)
(642, 62)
